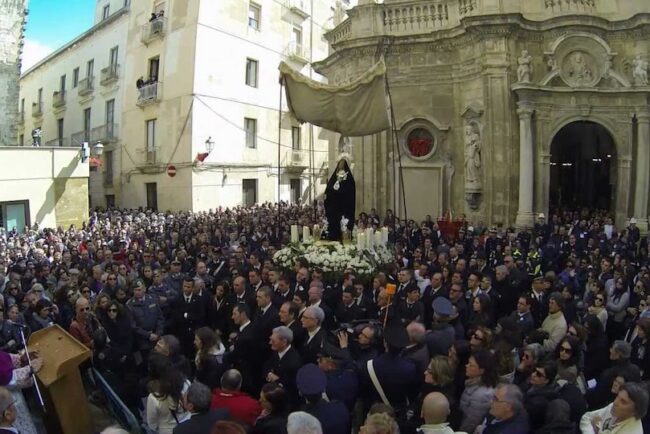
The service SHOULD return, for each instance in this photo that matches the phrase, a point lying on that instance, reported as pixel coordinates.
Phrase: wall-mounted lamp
(98, 150)
(209, 144)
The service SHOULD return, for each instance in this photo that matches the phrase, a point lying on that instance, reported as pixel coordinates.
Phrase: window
(110, 118)
(295, 137)
(110, 201)
(40, 98)
(75, 77)
(59, 131)
(89, 68)
(112, 56)
(152, 196)
(108, 174)
(250, 126)
(21, 140)
(296, 190)
(251, 72)
(296, 37)
(249, 192)
(14, 215)
(62, 84)
(106, 12)
(154, 65)
(151, 141)
(87, 125)
(22, 106)
(254, 14)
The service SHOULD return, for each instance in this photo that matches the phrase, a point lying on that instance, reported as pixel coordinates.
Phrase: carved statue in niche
(640, 71)
(525, 69)
(472, 158)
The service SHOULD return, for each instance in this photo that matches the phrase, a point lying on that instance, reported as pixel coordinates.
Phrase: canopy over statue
(340, 197)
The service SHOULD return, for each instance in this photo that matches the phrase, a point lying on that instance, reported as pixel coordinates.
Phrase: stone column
(525, 217)
(642, 171)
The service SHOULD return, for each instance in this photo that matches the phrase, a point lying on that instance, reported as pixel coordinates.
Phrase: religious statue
(525, 69)
(640, 71)
(339, 13)
(340, 200)
(472, 159)
(578, 69)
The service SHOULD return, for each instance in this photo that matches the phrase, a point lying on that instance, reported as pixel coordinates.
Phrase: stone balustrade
(416, 17)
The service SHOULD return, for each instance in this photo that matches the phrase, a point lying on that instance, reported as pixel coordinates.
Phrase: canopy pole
(395, 140)
(279, 158)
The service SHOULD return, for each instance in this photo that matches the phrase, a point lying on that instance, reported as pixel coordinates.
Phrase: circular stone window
(420, 143)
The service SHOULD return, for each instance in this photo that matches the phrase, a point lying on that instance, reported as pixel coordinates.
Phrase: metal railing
(58, 98)
(106, 133)
(63, 141)
(296, 159)
(86, 86)
(37, 109)
(153, 30)
(149, 94)
(80, 137)
(149, 154)
(297, 51)
(109, 74)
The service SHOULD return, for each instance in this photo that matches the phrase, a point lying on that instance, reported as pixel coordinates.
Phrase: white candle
(294, 233)
(305, 234)
(378, 241)
(361, 241)
(384, 235)
(369, 238)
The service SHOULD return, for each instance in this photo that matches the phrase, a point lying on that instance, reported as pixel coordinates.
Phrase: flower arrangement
(334, 258)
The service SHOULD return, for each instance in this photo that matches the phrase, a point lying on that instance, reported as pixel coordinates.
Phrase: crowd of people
(488, 330)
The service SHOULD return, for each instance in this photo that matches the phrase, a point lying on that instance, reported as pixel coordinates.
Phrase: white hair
(300, 422)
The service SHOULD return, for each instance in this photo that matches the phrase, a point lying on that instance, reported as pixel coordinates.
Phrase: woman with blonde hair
(379, 423)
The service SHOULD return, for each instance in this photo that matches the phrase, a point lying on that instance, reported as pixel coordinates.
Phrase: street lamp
(209, 144)
(98, 150)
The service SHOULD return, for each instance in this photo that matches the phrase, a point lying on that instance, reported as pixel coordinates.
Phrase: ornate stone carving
(525, 68)
(580, 69)
(472, 151)
(640, 71)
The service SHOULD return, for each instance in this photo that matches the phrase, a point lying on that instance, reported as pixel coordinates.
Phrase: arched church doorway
(583, 167)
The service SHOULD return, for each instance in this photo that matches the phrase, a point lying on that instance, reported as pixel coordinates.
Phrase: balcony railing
(86, 86)
(106, 133)
(63, 141)
(80, 137)
(58, 98)
(298, 7)
(110, 74)
(297, 52)
(37, 109)
(149, 94)
(153, 30)
(149, 155)
(296, 160)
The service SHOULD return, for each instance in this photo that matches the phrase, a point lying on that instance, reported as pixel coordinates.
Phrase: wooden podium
(67, 410)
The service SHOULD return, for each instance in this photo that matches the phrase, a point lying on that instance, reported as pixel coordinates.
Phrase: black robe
(339, 203)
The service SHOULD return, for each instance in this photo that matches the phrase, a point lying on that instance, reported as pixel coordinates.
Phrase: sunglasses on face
(539, 373)
(566, 350)
(112, 310)
(84, 309)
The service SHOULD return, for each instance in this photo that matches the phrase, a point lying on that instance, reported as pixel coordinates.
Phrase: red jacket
(242, 407)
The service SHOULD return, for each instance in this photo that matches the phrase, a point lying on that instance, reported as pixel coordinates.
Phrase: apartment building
(185, 97)
(74, 96)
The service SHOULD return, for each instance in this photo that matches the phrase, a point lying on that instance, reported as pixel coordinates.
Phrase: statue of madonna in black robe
(340, 197)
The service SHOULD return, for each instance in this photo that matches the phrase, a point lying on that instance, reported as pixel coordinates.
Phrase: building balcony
(296, 160)
(37, 109)
(149, 94)
(297, 52)
(86, 86)
(110, 74)
(298, 7)
(149, 156)
(61, 142)
(58, 98)
(153, 30)
(77, 139)
(106, 133)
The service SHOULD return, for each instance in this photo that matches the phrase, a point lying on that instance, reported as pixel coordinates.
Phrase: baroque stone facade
(12, 23)
(487, 85)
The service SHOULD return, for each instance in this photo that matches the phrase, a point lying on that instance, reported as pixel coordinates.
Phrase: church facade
(502, 109)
